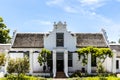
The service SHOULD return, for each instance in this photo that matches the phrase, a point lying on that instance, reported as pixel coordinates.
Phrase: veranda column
(89, 64)
(54, 63)
(114, 62)
(66, 63)
(31, 62)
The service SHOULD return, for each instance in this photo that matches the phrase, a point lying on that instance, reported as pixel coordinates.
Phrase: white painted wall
(50, 41)
(36, 65)
(69, 41)
(108, 64)
(16, 55)
(77, 64)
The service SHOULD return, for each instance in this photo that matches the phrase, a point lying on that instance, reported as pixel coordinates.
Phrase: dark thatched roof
(28, 40)
(91, 39)
(36, 40)
(115, 47)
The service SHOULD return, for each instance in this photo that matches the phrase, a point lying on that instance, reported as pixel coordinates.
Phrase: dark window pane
(70, 60)
(93, 61)
(26, 54)
(117, 64)
(69, 63)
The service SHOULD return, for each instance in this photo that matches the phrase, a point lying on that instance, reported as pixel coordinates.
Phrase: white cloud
(92, 4)
(89, 2)
(70, 9)
(45, 22)
(38, 23)
(54, 2)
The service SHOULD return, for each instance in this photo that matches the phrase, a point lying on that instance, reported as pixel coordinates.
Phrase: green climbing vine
(100, 53)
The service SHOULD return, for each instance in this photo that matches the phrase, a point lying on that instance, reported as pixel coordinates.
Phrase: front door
(60, 61)
(60, 66)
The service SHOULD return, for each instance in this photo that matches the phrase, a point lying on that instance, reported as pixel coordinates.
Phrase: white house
(63, 45)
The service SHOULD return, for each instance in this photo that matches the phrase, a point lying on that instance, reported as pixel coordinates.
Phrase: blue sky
(80, 15)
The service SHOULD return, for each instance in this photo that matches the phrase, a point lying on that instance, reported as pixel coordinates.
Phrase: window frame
(59, 39)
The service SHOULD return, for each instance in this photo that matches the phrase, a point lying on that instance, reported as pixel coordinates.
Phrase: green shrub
(77, 74)
(23, 77)
(18, 65)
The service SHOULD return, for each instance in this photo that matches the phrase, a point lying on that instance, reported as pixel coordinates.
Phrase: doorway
(60, 61)
(60, 65)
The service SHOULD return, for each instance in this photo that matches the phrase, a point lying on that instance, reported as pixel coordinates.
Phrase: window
(26, 54)
(93, 61)
(59, 39)
(69, 59)
(117, 64)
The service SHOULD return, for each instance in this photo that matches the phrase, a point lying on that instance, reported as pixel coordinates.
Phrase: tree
(112, 42)
(18, 65)
(43, 57)
(100, 53)
(2, 59)
(119, 41)
(4, 32)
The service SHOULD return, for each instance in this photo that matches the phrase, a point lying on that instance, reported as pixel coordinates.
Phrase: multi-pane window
(70, 60)
(59, 39)
(117, 64)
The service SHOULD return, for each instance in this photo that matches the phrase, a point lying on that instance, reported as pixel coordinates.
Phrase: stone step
(60, 75)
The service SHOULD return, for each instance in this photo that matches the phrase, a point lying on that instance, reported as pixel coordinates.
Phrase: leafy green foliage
(100, 53)
(100, 68)
(18, 65)
(4, 32)
(2, 58)
(43, 56)
(83, 52)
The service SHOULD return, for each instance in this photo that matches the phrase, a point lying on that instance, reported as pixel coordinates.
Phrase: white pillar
(66, 63)
(54, 63)
(31, 62)
(89, 64)
(114, 62)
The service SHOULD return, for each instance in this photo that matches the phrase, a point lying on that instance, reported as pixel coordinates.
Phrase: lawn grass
(94, 78)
